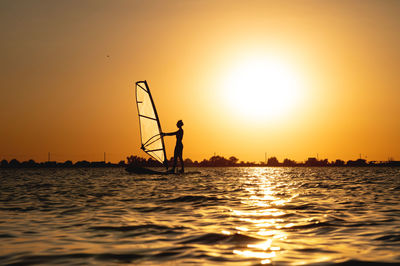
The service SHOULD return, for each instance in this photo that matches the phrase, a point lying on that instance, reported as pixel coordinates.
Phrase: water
(238, 216)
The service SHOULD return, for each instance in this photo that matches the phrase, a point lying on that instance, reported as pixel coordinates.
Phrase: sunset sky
(292, 79)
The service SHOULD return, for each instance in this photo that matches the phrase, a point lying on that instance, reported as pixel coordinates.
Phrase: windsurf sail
(150, 127)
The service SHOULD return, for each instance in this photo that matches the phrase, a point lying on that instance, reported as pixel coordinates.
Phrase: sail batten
(150, 127)
(148, 117)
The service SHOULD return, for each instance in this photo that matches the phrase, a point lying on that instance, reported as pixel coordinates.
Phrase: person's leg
(181, 159)
(175, 160)
(183, 168)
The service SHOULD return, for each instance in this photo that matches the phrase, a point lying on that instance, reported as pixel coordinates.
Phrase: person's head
(179, 124)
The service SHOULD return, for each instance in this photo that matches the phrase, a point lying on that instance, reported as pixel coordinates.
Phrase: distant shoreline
(214, 161)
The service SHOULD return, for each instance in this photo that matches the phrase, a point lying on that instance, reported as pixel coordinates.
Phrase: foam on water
(243, 216)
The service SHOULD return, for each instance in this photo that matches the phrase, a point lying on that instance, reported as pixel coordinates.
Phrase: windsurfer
(178, 147)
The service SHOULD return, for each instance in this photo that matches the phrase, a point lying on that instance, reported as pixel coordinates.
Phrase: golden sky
(290, 78)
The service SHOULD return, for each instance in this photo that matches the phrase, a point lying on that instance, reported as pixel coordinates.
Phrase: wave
(145, 179)
(126, 258)
(6, 236)
(389, 238)
(193, 199)
(152, 209)
(353, 262)
(129, 228)
(71, 258)
(308, 206)
(311, 225)
(214, 238)
(17, 209)
(315, 250)
(72, 211)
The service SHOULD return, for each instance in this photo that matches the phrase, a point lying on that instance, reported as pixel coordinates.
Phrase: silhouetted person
(179, 146)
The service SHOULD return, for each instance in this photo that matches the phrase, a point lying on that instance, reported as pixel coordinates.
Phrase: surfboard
(146, 171)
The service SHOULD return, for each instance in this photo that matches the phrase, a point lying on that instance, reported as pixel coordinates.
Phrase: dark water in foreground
(243, 216)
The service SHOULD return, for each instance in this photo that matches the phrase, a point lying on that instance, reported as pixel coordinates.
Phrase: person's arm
(169, 134)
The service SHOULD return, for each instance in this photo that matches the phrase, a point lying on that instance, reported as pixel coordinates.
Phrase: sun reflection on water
(265, 219)
(254, 254)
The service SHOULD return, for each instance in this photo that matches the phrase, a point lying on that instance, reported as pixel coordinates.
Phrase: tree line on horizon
(214, 161)
(220, 161)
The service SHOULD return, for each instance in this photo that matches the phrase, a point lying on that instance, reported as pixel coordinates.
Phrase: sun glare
(262, 88)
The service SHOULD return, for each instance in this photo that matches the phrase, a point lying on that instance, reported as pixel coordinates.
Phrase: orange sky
(68, 68)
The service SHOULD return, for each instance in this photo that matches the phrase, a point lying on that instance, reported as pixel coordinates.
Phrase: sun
(262, 87)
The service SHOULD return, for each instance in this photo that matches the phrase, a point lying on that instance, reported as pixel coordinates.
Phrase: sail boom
(151, 141)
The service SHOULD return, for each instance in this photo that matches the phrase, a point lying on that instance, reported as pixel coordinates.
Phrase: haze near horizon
(292, 79)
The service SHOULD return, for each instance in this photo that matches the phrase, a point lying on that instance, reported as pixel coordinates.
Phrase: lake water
(233, 216)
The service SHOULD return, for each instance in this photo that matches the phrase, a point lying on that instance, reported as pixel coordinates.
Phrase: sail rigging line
(149, 143)
(149, 123)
